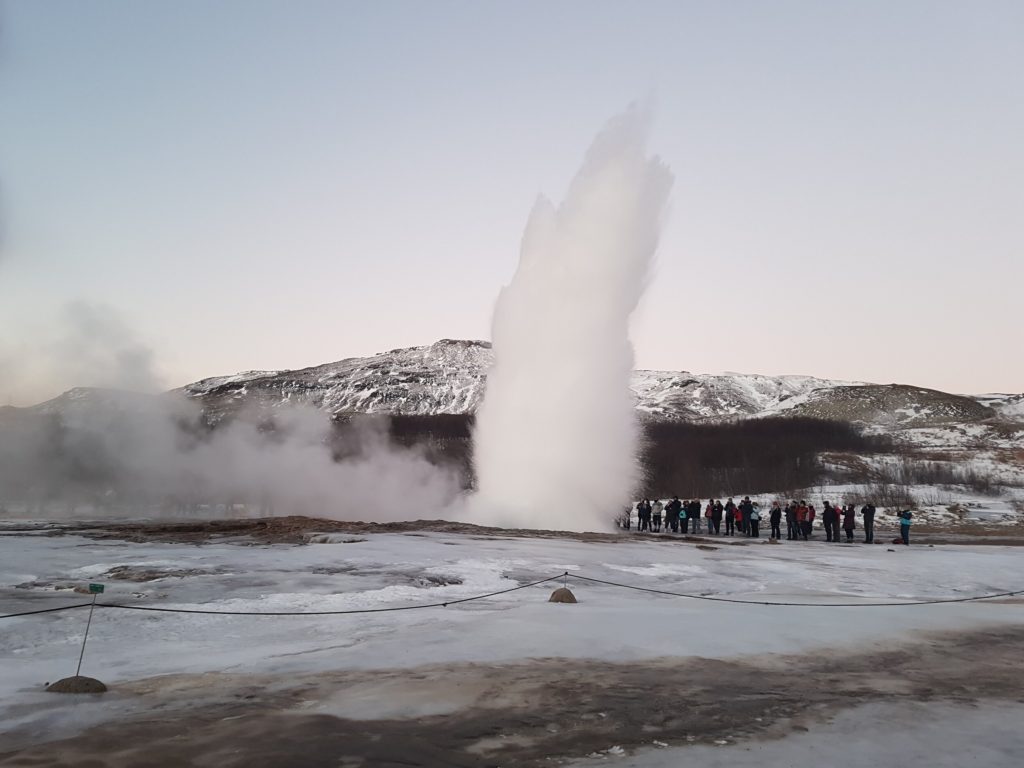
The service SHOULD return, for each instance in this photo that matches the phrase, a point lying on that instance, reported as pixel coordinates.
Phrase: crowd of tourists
(746, 518)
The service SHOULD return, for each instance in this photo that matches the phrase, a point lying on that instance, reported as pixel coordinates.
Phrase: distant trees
(447, 438)
(750, 456)
(692, 460)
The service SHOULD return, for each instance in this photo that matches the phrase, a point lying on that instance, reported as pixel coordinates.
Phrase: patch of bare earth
(299, 530)
(302, 530)
(535, 713)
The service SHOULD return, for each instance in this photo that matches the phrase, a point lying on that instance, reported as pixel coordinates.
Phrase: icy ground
(366, 571)
(869, 736)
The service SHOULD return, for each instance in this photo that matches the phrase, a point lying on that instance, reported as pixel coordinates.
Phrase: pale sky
(263, 185)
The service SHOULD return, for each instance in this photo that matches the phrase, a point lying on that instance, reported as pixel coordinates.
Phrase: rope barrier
(387, 609)
(563, 576)
(45, 610)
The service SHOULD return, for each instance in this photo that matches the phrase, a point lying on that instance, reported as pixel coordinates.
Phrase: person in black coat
(730, 518)
(737, 516)
(868, 513)
(830, 519)
(643, 515)
(775, 518)
(672, 510)
(746, 516)
(694, 514)
(715, 521)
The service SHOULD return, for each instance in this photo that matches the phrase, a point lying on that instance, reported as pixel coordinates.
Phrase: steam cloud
(556, 436)
(115, 452)
(89, 346)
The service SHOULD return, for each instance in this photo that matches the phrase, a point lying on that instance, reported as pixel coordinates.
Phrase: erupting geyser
(556, 435)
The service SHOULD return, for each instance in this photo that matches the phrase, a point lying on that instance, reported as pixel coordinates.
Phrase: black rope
(45, 610)
(445, 604)
(714, 599)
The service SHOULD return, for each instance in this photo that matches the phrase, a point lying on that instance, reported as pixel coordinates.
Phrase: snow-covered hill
(446, 377)
(450, 375)
(1008, 407)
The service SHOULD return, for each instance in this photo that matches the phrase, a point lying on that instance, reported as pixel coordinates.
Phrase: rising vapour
(117, 450)
(101, 453)
(556, 436)
(86, 345)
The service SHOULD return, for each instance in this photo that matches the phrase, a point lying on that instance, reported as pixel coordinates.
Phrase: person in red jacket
(801, 519)
(849, 521)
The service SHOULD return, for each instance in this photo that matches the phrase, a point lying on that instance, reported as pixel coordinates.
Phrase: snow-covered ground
(388, 570)
(872, 735)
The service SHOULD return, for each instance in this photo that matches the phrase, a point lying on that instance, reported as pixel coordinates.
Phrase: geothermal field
(192, 582)
(182, 585)
(304, 465)
(622, 677)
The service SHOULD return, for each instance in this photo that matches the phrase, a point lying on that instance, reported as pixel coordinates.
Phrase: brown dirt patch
(304, 530)
(140, 573)
(301, 530)
(528, 714)
(77, 684)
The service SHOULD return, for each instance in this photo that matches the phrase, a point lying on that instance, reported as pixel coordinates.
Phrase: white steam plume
(556, 437)
(111, 453)
(88, 345)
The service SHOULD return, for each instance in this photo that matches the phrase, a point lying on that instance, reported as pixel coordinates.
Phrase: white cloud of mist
(121, 450)
(89, 345)
(113, 453)
(556, 436)
(296, 471)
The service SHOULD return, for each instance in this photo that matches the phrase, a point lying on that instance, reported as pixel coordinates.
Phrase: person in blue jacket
(905, 518)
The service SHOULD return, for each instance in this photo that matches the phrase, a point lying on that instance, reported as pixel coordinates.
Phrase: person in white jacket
(656, 510)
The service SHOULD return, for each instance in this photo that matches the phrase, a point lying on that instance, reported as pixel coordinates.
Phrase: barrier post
(96, 589)
(79, 684)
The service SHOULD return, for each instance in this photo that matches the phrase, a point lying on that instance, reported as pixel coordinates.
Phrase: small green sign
(96, 589)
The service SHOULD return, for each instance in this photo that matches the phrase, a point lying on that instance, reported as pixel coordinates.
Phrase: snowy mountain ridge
(449, 376)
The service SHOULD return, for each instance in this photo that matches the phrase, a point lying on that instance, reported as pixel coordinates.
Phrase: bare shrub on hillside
(891, 495)
(941, 474)
(933, 497)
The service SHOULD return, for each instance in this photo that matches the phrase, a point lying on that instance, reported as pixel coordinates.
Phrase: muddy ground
(297, 530)
(531, 714)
